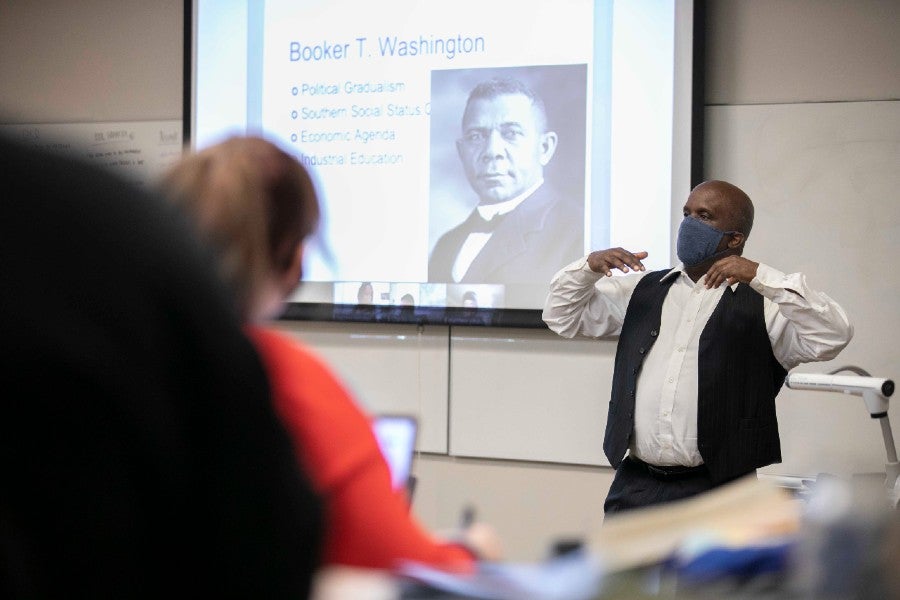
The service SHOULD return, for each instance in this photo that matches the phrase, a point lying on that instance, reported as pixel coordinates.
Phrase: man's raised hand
(604, 261)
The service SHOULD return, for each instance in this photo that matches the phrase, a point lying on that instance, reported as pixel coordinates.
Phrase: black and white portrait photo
(507, 187)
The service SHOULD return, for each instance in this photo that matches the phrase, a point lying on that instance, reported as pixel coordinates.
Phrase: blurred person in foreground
(256, 204)
(139, 451)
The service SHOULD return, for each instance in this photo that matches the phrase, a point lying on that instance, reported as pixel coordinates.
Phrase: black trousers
(637, 485)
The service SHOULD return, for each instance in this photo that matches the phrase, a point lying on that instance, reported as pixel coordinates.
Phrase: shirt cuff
(768, 278)
(581, 267)
(775, 285)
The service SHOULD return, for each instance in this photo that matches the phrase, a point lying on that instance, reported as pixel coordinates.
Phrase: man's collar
(488, 211)
(672, 272)
(679, 268)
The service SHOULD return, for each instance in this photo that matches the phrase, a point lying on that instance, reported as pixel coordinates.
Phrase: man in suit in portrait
(521, 228)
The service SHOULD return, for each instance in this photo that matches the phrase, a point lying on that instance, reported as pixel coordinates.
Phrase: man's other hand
(730, 270)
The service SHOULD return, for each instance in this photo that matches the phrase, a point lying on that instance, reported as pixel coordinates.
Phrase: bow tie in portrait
(478, 224)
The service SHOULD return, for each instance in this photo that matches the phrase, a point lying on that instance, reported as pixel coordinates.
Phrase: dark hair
(502, 86)
(365, 285)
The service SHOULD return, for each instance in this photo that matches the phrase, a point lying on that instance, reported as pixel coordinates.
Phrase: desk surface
(341, 583)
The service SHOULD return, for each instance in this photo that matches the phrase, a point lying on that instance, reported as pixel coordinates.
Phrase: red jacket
(368, 523)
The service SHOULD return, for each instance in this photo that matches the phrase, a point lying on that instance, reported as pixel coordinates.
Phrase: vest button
(631, 393)
(654, 333)
(642, 350)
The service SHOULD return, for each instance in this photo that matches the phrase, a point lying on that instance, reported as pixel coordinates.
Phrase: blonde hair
(253, 202)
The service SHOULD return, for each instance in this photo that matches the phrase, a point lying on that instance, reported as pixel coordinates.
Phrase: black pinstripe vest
(738, 379)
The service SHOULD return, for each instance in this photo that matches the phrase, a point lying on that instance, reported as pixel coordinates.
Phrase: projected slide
(464, 152)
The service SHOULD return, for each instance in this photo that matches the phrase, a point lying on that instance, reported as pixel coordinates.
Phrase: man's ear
(737, 240)
(549, 140)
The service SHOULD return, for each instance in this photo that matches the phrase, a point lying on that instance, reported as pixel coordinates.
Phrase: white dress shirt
(804, 325)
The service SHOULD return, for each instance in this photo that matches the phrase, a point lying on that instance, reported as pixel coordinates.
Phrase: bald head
(735, 204)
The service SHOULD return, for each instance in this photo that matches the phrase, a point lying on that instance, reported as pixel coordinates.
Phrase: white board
(388, 368)
(139, 151)
(529, 395)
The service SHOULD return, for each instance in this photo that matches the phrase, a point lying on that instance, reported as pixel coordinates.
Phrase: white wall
(108, 60)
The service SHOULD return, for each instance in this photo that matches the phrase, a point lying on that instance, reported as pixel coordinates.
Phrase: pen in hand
(479, 538)
(467, 517)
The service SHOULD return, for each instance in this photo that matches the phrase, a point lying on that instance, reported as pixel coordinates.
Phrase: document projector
(875, 392)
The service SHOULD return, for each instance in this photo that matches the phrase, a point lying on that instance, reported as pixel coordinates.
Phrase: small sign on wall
(139, 151)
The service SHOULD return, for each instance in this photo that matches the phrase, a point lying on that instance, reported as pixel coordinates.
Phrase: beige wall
(787, 51)
(91, 60)
(531, 505)
(108, 60)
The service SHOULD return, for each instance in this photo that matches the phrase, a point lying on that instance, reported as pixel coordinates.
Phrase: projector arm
(875, 392)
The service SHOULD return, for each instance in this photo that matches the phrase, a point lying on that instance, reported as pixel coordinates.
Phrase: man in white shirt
(521, 230)
(703, 350)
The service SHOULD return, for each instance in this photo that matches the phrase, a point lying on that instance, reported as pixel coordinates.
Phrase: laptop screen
(396, 436)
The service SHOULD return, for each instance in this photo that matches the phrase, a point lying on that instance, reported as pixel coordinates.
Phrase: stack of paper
(746, 512)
